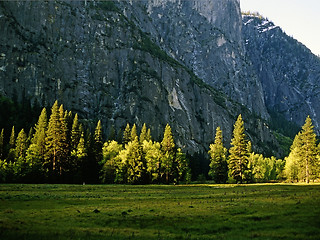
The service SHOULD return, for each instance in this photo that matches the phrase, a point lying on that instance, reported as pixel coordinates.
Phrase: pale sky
(297, 18)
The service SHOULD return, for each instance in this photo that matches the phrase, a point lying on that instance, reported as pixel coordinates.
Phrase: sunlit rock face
(154, 62)
(288, 71)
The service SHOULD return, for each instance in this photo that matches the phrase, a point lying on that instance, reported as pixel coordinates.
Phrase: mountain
(288, 71)
(186, 63)
(205, 36)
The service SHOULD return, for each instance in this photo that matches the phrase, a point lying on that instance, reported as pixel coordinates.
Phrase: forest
(60, 149)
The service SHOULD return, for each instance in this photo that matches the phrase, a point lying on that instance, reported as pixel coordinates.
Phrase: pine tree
(181, 166)
(167, 146)
(133, 134)
(126, 135)
(53, 139)
(30, 136)
(308, 150)
(21, 145)
(75, 133)
(135, 164)
(238, 158)
(98, 140)
(167, 143)
(39, 137)
(20, 152)
(97, 153)
(12, 139)
(148, 136)
(81, 148)
(143, 134)
(81, 155)
(218, 165)
(64, 148)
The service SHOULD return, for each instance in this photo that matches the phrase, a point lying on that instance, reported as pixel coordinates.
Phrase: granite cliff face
(288, 71)
(206, 37)
(153, 62)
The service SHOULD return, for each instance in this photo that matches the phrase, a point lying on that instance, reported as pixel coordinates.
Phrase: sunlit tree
(153, 155)
(110, 161)
(308, 150)
(218, 154)
(135, 164)
(126, 134)
(168, 147)
(238, 153)
(53, 138)
(143, 134)
(133, 134)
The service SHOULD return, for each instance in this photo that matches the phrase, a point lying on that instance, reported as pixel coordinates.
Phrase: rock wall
(288, 71)
(123, 62)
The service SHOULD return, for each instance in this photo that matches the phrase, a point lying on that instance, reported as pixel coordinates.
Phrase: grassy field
(275, 211)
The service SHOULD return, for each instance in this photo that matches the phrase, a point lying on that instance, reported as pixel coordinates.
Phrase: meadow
(257, 211)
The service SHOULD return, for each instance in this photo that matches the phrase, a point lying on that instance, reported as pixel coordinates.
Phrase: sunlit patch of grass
(261, 211)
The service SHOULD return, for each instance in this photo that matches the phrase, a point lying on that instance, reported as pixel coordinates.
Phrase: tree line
(60, 149)
(240, 164)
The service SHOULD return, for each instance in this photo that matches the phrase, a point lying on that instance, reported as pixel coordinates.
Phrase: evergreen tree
(238, 158)
(126, 135)
(97, 153)
(21, 145)
(39, 137)
(218, 153)
(12, 139)
(64, 150)
(167, 143)
(98, 141)
(53, 138)
(34, 172)
(81, 148)
(20, 152)
(135, 164)
(75, 133)
(181, 166)
(308, 150)
(143, 134)
(133, 134)
(167, 146)
(81, 155)
(148, 136)
(30, 136)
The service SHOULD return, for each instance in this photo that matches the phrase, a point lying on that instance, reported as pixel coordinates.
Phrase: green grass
(266, 211)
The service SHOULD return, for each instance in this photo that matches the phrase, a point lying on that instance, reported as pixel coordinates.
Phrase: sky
(297, 18)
